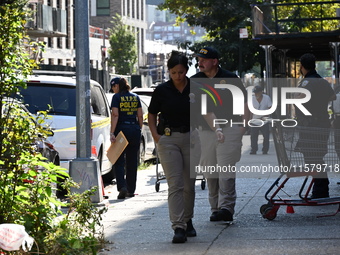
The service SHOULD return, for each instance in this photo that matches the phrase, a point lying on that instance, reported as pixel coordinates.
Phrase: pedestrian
(221, 145)
(315, 128)
(175, 140)
(126, 116)
(259, 124)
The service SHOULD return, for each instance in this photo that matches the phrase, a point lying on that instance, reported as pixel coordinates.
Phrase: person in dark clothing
(126, 116)
(176, 141)
(313, 142)
(221, 144)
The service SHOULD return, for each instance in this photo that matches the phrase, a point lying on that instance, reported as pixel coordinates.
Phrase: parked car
(41, 145)
(147, 149)
(59, 93)
(143, 91)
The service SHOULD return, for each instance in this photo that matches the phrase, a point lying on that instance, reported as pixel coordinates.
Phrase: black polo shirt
(219, 100)
(321, 91)
(173, 105)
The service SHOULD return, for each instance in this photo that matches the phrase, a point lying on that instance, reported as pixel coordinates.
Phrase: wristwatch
(218, 130)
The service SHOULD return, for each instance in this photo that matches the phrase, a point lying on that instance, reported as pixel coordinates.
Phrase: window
(39, 97)
(97, 102)
(103, 7)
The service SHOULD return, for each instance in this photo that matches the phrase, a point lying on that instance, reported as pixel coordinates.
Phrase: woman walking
(174, 143)
(126, 116)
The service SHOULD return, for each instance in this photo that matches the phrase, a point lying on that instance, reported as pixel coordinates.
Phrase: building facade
(132, 13)
(52, 23)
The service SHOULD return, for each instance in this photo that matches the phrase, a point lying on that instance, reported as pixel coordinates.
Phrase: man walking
(221, 144)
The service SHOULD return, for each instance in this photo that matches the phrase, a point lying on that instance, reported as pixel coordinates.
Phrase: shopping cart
(303, 152)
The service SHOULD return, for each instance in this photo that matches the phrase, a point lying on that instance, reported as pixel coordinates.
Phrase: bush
(27, 181)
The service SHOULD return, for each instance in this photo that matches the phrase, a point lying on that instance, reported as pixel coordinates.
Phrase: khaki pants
(221, 184)
(174, 154)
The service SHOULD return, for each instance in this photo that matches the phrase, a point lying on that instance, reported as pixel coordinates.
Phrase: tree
(299, 11)
(26, 179)
(222, 21)
(123, 50)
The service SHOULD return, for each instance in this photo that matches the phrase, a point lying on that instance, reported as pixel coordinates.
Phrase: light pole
(84, 169)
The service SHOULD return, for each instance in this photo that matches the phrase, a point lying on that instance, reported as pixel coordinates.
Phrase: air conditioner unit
(47, 18)
(61, 21)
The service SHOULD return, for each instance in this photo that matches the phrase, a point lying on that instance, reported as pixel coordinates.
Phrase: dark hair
(123, 85)
(177, 58)
(308, 61)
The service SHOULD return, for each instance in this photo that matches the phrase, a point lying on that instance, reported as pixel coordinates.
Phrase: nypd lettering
(128, 104)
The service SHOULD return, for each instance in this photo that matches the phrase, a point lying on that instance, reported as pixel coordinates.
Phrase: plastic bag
(12, 236)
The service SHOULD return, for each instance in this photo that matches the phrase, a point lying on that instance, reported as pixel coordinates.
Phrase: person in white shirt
(260, 102)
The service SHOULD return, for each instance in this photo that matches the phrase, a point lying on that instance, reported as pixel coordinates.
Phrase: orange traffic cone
(290, 209)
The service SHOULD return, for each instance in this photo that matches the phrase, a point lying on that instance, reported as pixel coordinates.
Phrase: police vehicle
(57, 95)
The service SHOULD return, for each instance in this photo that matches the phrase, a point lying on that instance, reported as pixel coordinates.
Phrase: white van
(59, 92)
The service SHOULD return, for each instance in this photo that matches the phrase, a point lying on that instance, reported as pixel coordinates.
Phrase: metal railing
(295, 17)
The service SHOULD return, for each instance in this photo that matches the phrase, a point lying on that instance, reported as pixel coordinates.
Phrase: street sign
(243, 33)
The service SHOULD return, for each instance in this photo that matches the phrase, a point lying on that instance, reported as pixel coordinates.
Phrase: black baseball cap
(207, 52)
(114, 81)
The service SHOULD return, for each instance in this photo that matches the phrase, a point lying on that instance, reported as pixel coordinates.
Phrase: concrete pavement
(140, 225)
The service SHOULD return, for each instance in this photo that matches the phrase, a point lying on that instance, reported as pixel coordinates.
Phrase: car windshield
(61, 99)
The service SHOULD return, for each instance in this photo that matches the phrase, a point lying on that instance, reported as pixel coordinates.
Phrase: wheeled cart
(305, 153)
(161, 176)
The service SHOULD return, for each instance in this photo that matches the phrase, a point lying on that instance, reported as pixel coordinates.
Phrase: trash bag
(12, 236)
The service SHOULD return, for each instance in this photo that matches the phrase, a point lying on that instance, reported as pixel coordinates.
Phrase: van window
(98, 103)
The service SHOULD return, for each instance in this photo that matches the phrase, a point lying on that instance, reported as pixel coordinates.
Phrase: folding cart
(161, 176)
(303, 152)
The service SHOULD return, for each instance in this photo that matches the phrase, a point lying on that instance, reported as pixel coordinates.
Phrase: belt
(182, 129)
(127, 122)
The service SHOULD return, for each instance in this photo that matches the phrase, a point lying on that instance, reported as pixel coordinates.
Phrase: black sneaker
(180, 236)
(252, 153)
(130, 194)
(122, 193)
(225, 215)
(213, 217)
(191, 232)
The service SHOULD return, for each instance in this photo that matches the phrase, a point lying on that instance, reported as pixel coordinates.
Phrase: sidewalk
(141, 225)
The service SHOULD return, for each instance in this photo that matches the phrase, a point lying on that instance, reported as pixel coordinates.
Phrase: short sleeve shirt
(127, 104)
(265, 104)
(221, 101)
(321, 91)
(173, 105)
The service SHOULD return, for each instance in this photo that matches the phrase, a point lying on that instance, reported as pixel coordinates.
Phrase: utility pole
(84, 169)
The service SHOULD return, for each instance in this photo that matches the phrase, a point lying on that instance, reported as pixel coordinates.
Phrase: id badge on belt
(167, 131)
